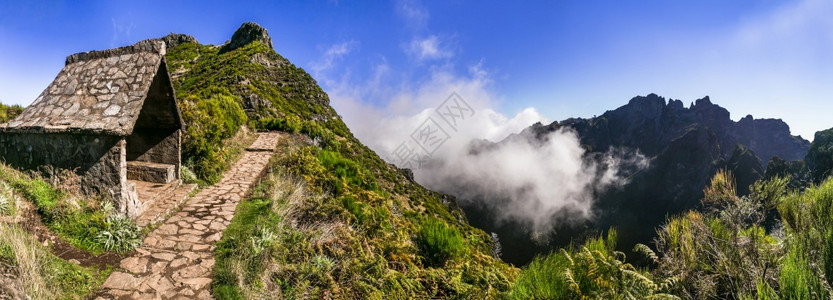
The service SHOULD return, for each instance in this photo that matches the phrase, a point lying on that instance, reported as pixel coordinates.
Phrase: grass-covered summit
(333, 219)
(221, 88)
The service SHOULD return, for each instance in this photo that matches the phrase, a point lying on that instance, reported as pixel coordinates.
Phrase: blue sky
(557, 59)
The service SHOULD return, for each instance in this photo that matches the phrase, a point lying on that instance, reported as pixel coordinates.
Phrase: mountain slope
(395, 237)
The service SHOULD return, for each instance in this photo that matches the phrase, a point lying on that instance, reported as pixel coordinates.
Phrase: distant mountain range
(686, 146)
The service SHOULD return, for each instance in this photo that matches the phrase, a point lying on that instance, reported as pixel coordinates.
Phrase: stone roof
(98, 92)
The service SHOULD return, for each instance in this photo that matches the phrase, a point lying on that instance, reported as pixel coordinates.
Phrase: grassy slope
(395, 237)
(37, 273)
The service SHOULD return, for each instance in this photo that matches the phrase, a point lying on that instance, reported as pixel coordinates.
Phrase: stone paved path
(176, 260)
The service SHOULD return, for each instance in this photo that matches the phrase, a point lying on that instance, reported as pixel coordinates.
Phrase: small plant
(323, 263)
(263, 241)
(439, 243)
(7, 200)
(188, 176)
(120, 233)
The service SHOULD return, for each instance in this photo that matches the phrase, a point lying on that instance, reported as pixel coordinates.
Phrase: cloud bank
(523, 179)
(481, 159)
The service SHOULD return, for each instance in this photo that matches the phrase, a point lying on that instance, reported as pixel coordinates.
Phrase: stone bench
(151, 172)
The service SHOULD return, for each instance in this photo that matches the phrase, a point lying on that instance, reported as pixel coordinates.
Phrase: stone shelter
(109, 116)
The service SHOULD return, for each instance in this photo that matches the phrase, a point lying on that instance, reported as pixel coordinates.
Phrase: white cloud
(531, 180)
(428, 48)
(335, 52)
(795, 20)
(412, 12)
(122, 29)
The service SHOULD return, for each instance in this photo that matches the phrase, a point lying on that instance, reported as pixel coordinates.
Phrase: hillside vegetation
(332, 219)
(8, 112)
(28, 268)
(775, 243)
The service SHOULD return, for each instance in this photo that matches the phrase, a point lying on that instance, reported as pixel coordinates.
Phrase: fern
(646, 251)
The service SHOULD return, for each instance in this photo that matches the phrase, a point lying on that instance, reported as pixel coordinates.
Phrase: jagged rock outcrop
(175, 39)
(649, 124)
(247, 33)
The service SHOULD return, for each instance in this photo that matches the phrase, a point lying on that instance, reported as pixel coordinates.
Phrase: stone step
(161, 207)
(151, 172)
(149, 192)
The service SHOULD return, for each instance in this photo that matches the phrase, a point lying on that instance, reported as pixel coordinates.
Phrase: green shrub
(290, 123)
(210, 122)
(188, 176)
(120, 234)
(346, 171)
(439, 243)
(543, 278)
(797, 279)
(808, 227)
(7, 113)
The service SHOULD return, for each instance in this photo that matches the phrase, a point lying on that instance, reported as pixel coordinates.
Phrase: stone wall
(99, 160)
(156, 146)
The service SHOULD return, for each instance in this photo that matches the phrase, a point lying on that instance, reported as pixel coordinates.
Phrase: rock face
(247, 33)
(820, 157)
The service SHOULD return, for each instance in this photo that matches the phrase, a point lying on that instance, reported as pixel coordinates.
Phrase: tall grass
(38, 273)
(8, 200)
(807, 268)
(28, 259)
(439, 243)
(88, 224)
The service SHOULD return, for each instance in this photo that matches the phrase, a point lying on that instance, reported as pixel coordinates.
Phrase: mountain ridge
(649, 122)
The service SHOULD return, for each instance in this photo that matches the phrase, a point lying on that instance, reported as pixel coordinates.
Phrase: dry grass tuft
(29, 259)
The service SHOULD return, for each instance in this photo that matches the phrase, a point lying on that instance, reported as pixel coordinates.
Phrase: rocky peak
(247, 33)
(651, 100)
(712, 114)
(702, 102)
(675, 105)
(175, 39)
(649, 107)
